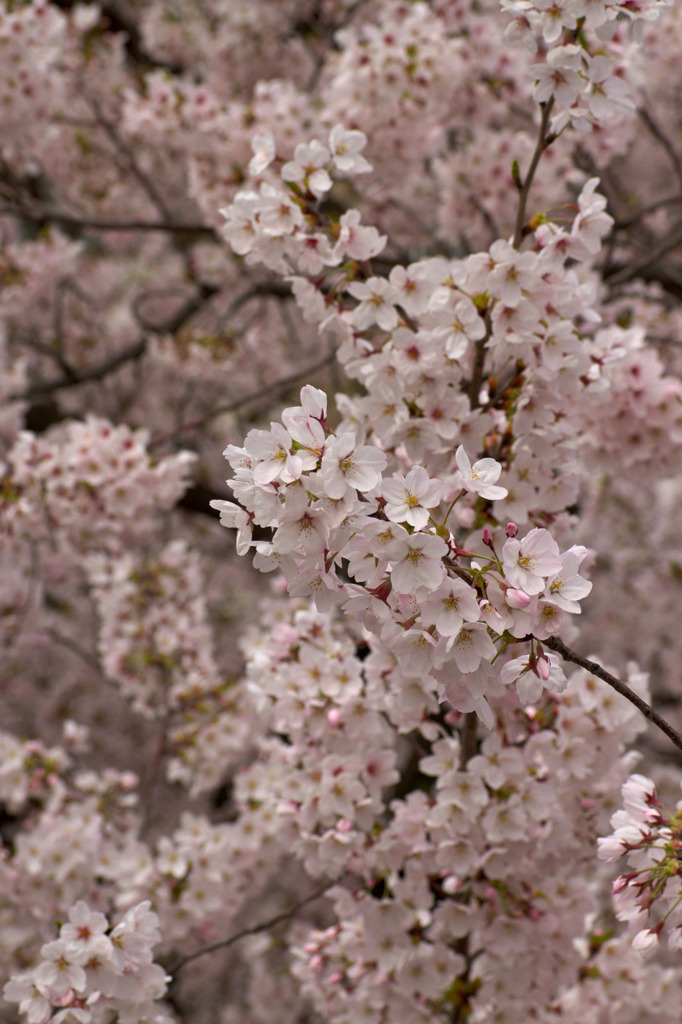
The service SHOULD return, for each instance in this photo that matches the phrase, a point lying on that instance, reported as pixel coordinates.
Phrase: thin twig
(255, 930)
(623, 223)
(524, 188)
(468, 738)
(97, 372)
(555, 644)
(267, 392)
(41, 215)
(626, 273)
(661, 137)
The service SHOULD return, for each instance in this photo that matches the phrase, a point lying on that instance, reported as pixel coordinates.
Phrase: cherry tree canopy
(414, 270)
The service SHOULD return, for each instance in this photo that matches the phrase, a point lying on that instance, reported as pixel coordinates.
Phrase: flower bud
(543, 667)
(516, 598)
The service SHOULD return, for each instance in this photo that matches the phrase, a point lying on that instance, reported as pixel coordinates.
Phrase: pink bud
(517, 598)
(543, 667)
(512, 529)
(487, 538)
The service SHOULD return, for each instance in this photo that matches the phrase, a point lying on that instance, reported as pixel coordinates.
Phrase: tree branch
(555, 644)
(43, 215)
(254, 930)
(269, 391)
(661, 137)
(524, 188)
(97, 372)
(126, 355)
(671, 240)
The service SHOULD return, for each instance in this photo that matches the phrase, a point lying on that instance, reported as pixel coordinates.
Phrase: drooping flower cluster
(648, 897)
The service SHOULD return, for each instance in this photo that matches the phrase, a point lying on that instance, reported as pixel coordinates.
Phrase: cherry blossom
(479, 478)
(352, 785)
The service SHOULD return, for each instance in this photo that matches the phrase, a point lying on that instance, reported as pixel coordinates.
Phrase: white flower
(408, 498)
(417, 561)
(527, 562)
(470, 646)
(32, 996)
(592, 223)
(301, 527)
(567, 588)
(272, 455)
(85, 934)
(277, 214)
(235, 517)
(357, 240)
(480, 477)
(308, 168)
(455, 324)
(240, 227)
(453, 604)
(59, 972)
(345, 145)
(344, 466)
(377, 299)
(513, 273)
(263, 146)
(531, 675)
(559, 76)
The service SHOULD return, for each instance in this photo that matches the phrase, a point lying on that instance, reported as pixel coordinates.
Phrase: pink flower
(479, 478)
(470, 646)
(345, 466)
(529, 561)
(345, 145)
(308, 168)
(449, 607)
(377, 299)
(408, 498)
(417, 562)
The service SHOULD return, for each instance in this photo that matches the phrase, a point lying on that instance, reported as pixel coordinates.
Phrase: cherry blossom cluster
(91, 478)
(154, 638)
(95, 969)
(31, 85)
(582, 72)
(381, 548)
(509, 443)
(651, 838)
(451, 868)
(156, 645)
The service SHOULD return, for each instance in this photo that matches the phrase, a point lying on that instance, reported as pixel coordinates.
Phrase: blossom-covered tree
(413, 269)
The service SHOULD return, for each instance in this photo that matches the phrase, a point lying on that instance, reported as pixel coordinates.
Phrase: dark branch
(634, 269)
(269, 391)
(555, 644)
(97, 372)
(47, 215)
(129, 354)
(661, 137)
(255, 930)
